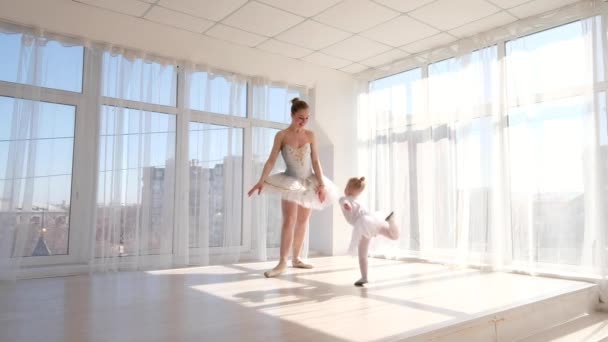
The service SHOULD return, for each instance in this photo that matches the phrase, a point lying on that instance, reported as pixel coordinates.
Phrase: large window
(499, 164)
(141, 165)
(433, 149)
(396, 109)
(461, 103)
(547, 125)
(137, 158)
(37, 145)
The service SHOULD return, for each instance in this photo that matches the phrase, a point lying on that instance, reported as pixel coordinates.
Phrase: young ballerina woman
(366, 225)
(301, 189)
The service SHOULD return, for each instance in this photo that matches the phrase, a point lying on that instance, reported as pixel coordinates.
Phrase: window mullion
(86, 159)
(247, 170)
(181, 201)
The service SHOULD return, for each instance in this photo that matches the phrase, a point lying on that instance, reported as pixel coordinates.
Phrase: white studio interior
(131, 133)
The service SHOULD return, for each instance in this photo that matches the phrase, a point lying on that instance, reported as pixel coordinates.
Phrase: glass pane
(465, 87)
(138, 80)
(535, 63)
(218, 94)
(43, 63)
(216, 185)
(267, 206)
(392, 98)
(273, 103)
(443, 186)
(136, 182)
(36, 151)
(473, 176)
(393, 180)
(547, 155)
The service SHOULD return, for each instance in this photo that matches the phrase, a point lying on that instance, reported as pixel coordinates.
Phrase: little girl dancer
(365, 224)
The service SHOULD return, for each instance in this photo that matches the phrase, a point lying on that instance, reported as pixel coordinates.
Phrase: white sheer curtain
(558, 138)
(19, 162)
(456, 171)
(266, 215)
(106, 166)
(497, 156)
(437, 156)
(136, 179)
(209, 226)
(36, 146)
(212, 179)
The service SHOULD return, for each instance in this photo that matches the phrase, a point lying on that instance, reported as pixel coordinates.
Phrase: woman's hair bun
(297, 104)
(362, 179)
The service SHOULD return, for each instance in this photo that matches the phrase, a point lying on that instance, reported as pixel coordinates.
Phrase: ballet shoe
(297, 263)
(361, 282)
(390, 216)
(275, 272)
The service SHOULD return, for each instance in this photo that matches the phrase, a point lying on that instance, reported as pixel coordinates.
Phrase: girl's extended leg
(290, 212)
(390, 229)
(363, 249)
(299, 235)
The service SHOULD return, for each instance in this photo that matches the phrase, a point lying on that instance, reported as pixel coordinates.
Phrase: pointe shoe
(390, 216)
(392, 226)
(300, 264)
(275, 272)
(361, 282)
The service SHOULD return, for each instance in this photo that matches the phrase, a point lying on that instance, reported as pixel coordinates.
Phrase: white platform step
(522, 321)
(590, 327)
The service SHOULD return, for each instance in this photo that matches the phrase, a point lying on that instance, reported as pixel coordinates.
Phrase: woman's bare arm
(316, 164)
(272, 158)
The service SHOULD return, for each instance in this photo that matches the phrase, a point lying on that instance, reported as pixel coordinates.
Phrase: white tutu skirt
(367, 226)
(301, 190)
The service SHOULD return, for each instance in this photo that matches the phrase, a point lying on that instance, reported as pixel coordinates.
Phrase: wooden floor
(236, 303)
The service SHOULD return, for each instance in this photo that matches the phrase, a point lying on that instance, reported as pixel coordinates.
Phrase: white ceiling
(348, 35)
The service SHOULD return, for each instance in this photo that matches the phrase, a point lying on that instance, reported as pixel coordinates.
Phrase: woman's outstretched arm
(272, 158)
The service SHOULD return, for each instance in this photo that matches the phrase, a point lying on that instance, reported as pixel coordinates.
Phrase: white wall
(335, 108)
(338, 119)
